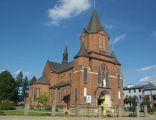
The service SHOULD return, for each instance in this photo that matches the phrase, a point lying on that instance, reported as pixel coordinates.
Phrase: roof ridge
(58, 67)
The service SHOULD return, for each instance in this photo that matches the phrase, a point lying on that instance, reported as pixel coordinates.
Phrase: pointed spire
(94, 25)
(65, 50)
(82, 52)
(115, 59)
(65, 56)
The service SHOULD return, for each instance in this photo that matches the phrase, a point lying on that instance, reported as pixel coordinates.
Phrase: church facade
(92, 78)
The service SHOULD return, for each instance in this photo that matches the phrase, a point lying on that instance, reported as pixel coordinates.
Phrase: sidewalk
(74, 118)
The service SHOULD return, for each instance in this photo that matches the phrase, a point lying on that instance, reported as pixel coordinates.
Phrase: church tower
(94, 36)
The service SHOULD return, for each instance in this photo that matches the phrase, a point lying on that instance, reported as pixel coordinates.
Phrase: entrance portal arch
(104, 101)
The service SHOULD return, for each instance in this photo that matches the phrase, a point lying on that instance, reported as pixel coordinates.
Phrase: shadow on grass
(39, 114)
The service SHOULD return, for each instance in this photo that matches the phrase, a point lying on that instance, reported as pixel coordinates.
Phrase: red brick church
(92, 78)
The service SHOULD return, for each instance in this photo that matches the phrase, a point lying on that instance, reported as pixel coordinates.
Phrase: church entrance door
(66, 99)
(104, 102)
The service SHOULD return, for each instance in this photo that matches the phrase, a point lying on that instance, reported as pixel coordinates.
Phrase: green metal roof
(82, 52)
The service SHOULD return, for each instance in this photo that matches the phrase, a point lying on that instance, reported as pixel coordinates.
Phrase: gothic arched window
(107, 79)
(85, 75)
(99, 79)
(103, 77)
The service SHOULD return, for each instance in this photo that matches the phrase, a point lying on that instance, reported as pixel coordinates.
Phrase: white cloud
(109, 26)
(147, 68)
(17, 72)
(65, 9)
(154, 33)
(24, 72)
(147, 79)
(117, 39)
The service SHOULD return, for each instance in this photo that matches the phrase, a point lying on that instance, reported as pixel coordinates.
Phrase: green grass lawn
(39, 114)
(21, 113)
(11, 112)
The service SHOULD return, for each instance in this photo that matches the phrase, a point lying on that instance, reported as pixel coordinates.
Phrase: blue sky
(32, 31)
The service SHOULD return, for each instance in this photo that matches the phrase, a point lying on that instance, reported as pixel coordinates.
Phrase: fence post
(26, 109)
(145, 111)
(53, 110)
(137, 111)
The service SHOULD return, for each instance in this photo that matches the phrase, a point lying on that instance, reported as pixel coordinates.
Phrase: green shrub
(154, 109)
(6, 105)
(31, 107)
(151, 110)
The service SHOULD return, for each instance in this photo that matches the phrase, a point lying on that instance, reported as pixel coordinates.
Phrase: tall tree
(19, 79)
(25, 86)
(33, 80)
(7, 86)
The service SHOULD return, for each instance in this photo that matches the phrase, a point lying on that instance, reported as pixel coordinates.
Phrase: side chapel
(93, 72)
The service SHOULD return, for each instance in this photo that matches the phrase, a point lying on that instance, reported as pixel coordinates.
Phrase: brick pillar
(77, 110)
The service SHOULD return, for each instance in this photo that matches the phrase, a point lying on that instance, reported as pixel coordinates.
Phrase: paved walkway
(63, 118)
